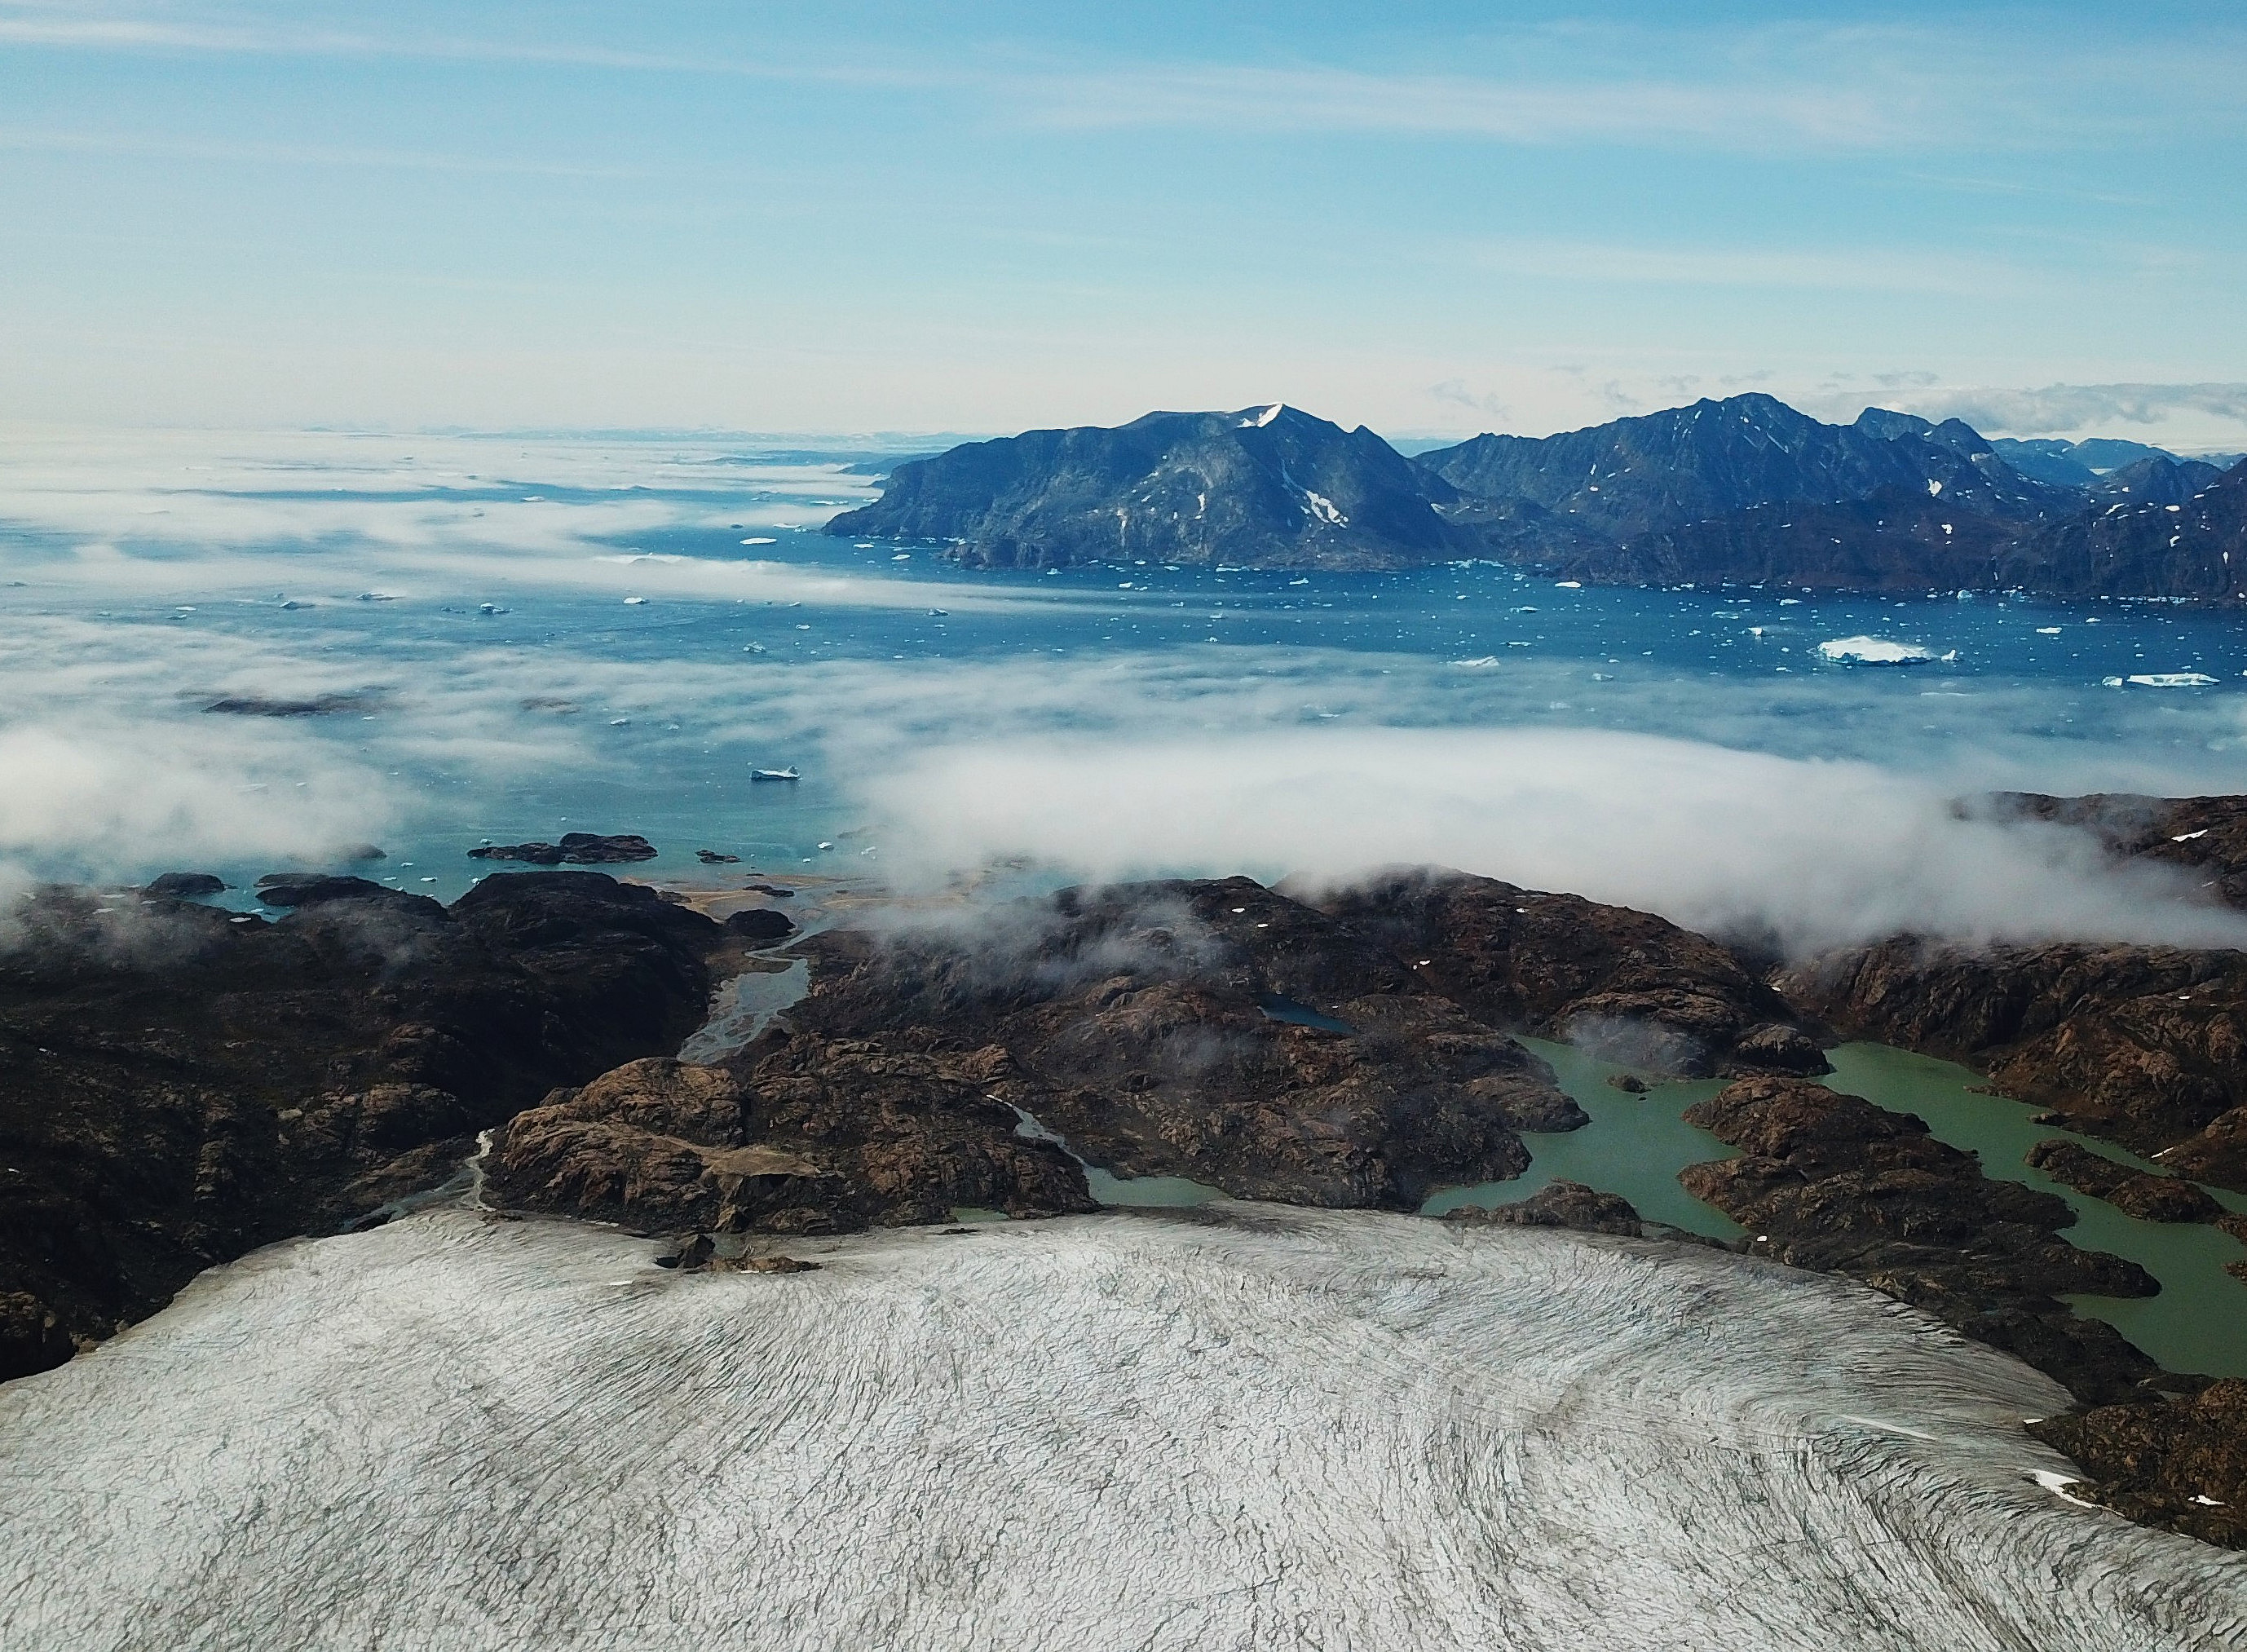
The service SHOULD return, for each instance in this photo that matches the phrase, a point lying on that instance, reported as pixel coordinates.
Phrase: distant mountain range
(1745, 490)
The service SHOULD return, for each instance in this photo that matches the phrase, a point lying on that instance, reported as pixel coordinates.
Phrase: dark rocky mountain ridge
(1747, 490)
(1267, 486)
(1661, 471)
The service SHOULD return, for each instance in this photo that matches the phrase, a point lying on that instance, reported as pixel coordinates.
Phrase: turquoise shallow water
(2198, 1324)
(1636, 1144)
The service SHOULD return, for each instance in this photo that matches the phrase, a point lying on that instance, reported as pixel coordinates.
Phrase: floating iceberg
(1873, 651)
(2174, 679)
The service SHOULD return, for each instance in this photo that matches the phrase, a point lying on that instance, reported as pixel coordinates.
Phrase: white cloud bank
(1810, 854)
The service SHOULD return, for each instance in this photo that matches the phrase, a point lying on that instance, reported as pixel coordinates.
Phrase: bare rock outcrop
(2175, 1460)
(1831, 1182)
(1628, 984)
(1570, 1205)
(2151, 1198)
(797, 1135)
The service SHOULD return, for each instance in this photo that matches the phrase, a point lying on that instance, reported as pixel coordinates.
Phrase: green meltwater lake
(1636, 1144)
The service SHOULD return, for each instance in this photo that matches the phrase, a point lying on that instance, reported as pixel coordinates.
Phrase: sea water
(536, 655)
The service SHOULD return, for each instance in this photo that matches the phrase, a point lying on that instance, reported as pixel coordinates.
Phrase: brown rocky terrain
(2175, 1460)
(1216, 1030)
(798, 1134)
(179, 1084)
(1570, 1205)
(1626, 984)
(2146, 1046)
(1831, 1182)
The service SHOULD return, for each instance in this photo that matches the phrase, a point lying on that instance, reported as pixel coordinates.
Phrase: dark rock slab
(312, 706)
(2146, 1046)
(759, 924)
(576, 849)
(314, 889)
(1570, 1205)
(2203, 837)
(183, 886)
(1135, 1023)
(1831, 1182)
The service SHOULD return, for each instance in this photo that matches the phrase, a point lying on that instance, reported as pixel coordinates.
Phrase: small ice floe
(1299, 582)
(2172, 680)
(2056, 1484)
(776, 774)
(1873, 651)
(619, 722)
(753, 648)
(902, 555)
(1476, 664)
(826, 846)
(2047, 631)
(764, 540)
(489, 609)
(634, 602)
(938, 613)
(1568, 584)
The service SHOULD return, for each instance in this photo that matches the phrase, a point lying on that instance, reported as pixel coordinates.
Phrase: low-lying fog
(509, 638)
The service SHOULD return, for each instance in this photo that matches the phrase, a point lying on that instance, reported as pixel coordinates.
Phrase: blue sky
(853, 217)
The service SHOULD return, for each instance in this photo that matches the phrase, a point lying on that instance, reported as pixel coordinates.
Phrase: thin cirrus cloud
(1865, 269)
(1830, 89)
(1836, 88)
(183, 149)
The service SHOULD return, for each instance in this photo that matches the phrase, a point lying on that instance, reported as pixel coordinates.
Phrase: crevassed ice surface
(1275, 1428)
